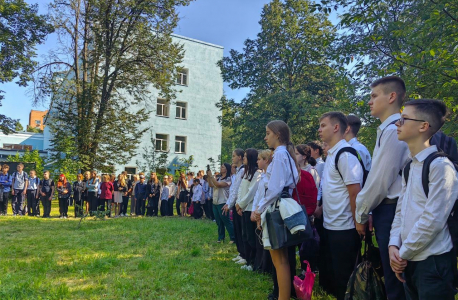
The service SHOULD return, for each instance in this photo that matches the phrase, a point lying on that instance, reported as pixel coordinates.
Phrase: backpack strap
(426, 169)
(380, 137)
(406, 171)
(355, 153)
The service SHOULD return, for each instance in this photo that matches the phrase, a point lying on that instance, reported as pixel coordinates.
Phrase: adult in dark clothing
(79, 188)
(87, 176)
(154, 192)
(140, 192)
(5, 188)
(46, 190)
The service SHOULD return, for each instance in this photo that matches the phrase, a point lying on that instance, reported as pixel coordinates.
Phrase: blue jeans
(383, 217)
(223, 222)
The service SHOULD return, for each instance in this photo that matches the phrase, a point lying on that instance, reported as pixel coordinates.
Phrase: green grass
(124, 258)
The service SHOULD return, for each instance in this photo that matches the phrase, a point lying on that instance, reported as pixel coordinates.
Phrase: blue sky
(221, 22)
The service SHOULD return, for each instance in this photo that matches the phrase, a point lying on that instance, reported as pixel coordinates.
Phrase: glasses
(402, 121)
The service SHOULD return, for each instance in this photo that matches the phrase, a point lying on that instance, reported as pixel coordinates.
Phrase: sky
(227, 23)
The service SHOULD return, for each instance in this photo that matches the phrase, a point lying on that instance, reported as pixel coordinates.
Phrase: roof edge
(196, 41)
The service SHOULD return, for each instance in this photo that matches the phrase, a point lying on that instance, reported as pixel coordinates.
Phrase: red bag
(191, 209)
(304, 287)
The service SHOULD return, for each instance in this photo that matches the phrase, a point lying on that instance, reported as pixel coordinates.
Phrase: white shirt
(315, 175)
(33, 183)
(363, 152)
(319, 166)
(337, 213)
(261, 191)
(247, 191)
(419, 227)
(197, 193)
(172, 189)
(383, 180)
(234, 190)
(279, 176)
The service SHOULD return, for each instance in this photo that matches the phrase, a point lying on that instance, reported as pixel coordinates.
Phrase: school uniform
(141, 190)
(133, 200)
(245, 197)
(164, 200)
(79, 188)
(33, 204)
(420, 229)
(19, 182)
(341, 240)
(64, 191)
(189, 198)
(5, 188)
(196, 199)
(209, 203)
(380, 195)
(279, 178)
(205, 190)
(220, 196)
(154, 189)
(172, 192)
(92, 190)
(236, 219)
(46, 187)
(363, 152)
(316, 177)
(319, 166)
(182, 197)
(120, 198)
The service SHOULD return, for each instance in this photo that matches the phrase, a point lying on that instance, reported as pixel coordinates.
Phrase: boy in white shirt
(420, 244)
(354, 124)
(340, 185)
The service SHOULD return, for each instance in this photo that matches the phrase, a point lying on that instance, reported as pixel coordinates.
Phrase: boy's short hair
(46, 171)
(337, 117)
(392, 84)
(239, 152)
(355, 124)
(196, 180)
(20, 164)
(316, 145)
(33, 171)
(5, 166)
(431, 110)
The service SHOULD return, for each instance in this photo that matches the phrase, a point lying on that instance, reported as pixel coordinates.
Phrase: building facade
(36, 119)
(20, 142)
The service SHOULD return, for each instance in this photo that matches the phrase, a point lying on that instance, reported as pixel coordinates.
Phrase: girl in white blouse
(280, 175)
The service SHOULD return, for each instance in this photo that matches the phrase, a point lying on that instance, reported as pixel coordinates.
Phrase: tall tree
(111, 54)
(288, 71)
(21, 29)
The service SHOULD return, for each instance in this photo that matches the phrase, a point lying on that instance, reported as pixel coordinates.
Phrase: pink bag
(304, 287)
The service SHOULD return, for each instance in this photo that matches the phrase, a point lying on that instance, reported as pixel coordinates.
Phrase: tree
(21, 30)
(34, 130)
(18, 126)
(111, 54)
(29, 157)
(290, 74)
(153, 160)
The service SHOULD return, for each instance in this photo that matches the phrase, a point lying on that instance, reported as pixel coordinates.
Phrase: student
(87, 176)
(340, 187)
(244, 205)
(79, 187)
(33, 205)
(237, 160)
(208, 204)
(383, 184)
(263, 261)
(317, 153)
(196, 198)
(221, 186)
(106, 191)
(154, 193)
(5, 188)
(123, 198)
(190, 185)
(172, 191)
(354, 124)
(307, 162)
(280, 174)
(64, 191)
(133, 201)
(420, 244)
(92, 189)
(182, 194)
(46, 191)
(19, 190)
(165, 196)
(141, 192)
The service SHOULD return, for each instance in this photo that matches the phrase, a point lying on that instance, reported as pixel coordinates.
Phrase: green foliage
(183, 166)
(29, 157)
(18, 127)
(34, 130)
(99, 77)
(152, 160)
(63, 158)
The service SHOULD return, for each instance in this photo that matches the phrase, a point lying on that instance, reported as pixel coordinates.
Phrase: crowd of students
(345, 191)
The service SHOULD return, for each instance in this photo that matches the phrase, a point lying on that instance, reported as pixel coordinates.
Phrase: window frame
(181, 110)
(182, 73)
(167, 143)
(185, 142)
(165, 106)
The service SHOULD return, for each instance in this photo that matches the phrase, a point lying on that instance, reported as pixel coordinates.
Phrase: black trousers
(432, 278)
(4, 203)
(93, 201)
(79, 210)
(208, 208)
(164, 208)
(124, 204)
(342, 247)
(17, 203)
(197, 210)
(63, 207)
(46, 206)
(262, 261)
(140, 205)
(292, 270)
(155, 205)
(237, 220)
(33, 204)
(249, 237)
(170, 206)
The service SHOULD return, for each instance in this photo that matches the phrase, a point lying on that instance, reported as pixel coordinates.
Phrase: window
(130, 170)
(17, 147)
(162, 142)
(162, 108)
(180, 144)
(181, 110)
(182, 78)
(37, 123)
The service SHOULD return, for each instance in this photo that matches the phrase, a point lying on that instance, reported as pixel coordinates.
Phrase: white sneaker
(237, 258)
(244, 267)
(248, 268)
(241, 262)
(65, 217)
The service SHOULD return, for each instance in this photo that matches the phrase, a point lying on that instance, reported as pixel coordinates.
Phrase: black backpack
(446, 144)
(452, 220)
(355, 153)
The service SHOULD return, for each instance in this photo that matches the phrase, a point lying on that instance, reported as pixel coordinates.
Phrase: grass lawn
(123, 258)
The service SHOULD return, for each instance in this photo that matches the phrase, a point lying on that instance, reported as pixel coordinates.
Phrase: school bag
(452, 220)
(308, 192)
(447, 144)
(355, 153)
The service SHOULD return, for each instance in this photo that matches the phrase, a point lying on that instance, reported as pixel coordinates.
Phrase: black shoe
(271, 296)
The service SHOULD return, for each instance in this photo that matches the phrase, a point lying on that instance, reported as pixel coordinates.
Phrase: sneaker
(244, 267)
(237, 258)
(65, 217)
(241, 262)
(14, 215)
(214, 220)
(248, 268)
